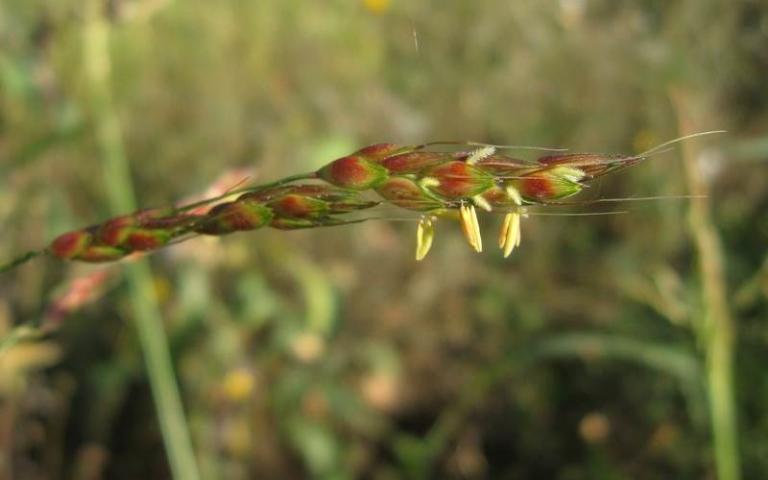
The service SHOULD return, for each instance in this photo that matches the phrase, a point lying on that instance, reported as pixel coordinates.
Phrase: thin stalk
(146, 314)
(254, 189)
(20, 260)
(719, 331)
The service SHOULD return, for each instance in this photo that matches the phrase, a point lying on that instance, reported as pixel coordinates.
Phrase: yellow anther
(470, 226)
(425, 233)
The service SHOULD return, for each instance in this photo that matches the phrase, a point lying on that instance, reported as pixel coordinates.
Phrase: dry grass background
(596, 351)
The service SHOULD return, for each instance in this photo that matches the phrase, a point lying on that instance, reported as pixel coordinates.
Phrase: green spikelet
(233, 217)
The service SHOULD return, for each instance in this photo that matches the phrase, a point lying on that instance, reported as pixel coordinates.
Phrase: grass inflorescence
(428, 179)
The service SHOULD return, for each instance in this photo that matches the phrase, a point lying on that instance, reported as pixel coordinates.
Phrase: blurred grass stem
(717, 331)
(146, 315)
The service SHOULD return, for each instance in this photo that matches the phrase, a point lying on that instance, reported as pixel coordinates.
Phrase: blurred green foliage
(331, 353)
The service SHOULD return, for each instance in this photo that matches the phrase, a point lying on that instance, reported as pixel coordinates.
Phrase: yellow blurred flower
(238, 384)
(377, 6)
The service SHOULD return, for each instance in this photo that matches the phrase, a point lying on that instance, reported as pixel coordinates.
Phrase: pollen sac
(471, 227)
(235, 216)
(353, 172)
(71, 244)
(414, 162)
(458, 179)
(425, 235)
(509, 237)
(406, 193)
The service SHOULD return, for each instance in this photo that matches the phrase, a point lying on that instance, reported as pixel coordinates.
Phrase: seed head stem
(20, 260)
(259, 188)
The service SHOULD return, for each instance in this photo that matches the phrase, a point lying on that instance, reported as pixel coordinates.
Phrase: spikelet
(354, 172)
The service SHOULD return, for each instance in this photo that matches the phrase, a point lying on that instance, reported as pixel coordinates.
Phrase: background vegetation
(631, 346)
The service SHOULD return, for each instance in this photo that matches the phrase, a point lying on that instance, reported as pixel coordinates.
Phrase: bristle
(680, 139)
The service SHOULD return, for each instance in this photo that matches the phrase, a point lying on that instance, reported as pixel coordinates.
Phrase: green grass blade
(146, 314)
